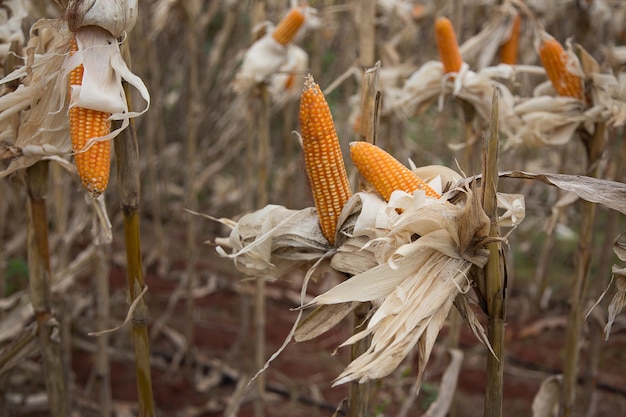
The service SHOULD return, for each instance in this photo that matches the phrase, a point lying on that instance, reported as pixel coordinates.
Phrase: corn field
(323, 208)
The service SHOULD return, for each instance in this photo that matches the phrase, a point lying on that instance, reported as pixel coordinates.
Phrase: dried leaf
(462, 305)
(441, 406)
(617, 304)
(322, 319)
(272, 240)
(415, 284)
(546, 401)
(610, 194)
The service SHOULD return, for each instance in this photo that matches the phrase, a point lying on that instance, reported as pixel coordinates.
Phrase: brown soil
(299, 380)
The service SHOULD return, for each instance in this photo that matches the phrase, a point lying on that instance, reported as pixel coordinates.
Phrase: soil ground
(204, 382)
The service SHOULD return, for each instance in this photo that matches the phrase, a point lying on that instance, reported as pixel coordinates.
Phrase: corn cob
(447, 45)
(93, 164)
(288, 27)
(554, 59)
(508, 51)
(385, 173)
(322, 158)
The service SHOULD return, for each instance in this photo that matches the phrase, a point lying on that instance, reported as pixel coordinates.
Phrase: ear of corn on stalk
(508, 51)
(288, 26)
(322, 158)
(555, 60)
(447, 45)
(92, 164)
(385, 173)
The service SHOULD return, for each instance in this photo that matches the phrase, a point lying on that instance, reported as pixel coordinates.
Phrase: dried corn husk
(286, 84)
(11, 15)
(115, 16)
(273, 240)
(546, 119)
(266, 58)
(411, 266)
(479, 50)
(42, 96)
(414, 282)
(430, 82)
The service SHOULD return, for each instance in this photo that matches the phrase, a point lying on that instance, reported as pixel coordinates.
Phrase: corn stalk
(262, 123)
(192, 124)
(128, 169)
(370, 101)
(494, 273)
(594, 146)
(55, 375)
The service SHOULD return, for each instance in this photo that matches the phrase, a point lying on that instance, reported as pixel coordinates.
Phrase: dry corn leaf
(430, 82)
(611, 194)
(19, 347)
(479, 50)
(12, 14)
(619, 282)
(322, 319)
(273, 240)
(547, 399)
(441, 406)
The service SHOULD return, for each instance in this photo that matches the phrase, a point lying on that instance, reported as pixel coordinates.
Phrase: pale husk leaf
(273, 240)
(42, 95)
(322, 319)
(441, 406)
(547, 399)
(611, 194)
(416, 282)
(116, 16)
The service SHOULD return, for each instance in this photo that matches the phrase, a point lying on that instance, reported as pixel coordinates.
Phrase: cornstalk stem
(494, 274)
(262, 122)
(128, 169)
(595, 146)
(358, 396)
(54, 372)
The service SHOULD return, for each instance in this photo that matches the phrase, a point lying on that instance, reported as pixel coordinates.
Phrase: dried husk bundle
(41, 101)
(273, 240)
(267, 59)
(430, 82)
(420, 265)
(549, 119)
(411, 258)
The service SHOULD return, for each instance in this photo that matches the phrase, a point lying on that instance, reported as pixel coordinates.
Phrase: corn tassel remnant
(508, 51)
(555, 60)
(288, 27)
(322, 158)
(93, 164)
(385, 173)
(447, 45)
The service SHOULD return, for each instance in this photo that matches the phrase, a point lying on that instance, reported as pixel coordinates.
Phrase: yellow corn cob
(287, 28)
(508, 51)
(554, 59)
(447, 45)
(93, 164)
(385, 173)
(322, 158)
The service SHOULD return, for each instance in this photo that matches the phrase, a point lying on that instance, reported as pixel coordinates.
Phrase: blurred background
(199, 150)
